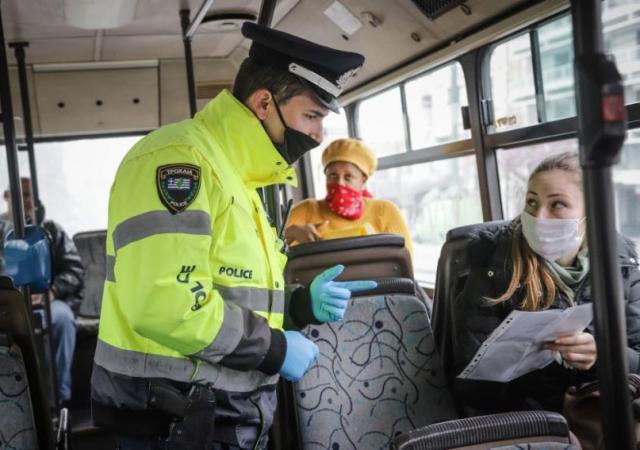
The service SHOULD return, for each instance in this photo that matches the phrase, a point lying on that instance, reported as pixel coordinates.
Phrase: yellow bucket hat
(352, 151)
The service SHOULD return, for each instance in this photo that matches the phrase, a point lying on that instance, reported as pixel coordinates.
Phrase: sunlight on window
(515, 165)
(512, 89)
(433, 104)
(621, 28)
(334, 127)
(380, 123)
(23, 168)
(432, 205)
(75, 178)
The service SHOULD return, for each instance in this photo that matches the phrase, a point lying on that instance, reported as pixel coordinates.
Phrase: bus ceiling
(93, 69)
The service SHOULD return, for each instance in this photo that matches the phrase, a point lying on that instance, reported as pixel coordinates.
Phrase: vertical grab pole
(17, 208)
(266, 12)
(602, 129)
(28, 127)
(39, 210)
(188, 59)
(272, 196)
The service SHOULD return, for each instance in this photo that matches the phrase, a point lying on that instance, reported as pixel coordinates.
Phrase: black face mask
(296, 143)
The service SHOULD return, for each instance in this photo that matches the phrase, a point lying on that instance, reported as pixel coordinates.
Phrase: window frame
(476, 69)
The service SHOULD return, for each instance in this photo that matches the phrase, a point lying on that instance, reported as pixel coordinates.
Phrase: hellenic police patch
(178, 185)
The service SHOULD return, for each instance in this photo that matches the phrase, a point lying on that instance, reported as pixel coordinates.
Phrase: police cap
(325, 70)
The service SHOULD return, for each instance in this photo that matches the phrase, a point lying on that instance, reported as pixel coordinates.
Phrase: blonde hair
(528, 270)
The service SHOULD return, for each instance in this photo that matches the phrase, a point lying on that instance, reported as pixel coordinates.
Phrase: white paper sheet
(516, 346)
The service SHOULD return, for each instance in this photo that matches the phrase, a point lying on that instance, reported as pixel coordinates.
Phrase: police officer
(194, 293)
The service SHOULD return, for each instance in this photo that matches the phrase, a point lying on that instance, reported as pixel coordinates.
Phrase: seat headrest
(389, 285)
(470, 230)
(350, 243)
(364, 257)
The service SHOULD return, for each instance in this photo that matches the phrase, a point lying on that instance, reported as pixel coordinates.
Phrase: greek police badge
(178, 185)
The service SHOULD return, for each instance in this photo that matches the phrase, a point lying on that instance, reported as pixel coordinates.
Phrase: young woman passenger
(540, 261)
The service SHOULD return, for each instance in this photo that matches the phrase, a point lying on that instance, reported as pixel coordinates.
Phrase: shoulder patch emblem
(178, 185)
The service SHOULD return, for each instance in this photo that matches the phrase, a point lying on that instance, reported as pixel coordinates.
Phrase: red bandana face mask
(345, 201)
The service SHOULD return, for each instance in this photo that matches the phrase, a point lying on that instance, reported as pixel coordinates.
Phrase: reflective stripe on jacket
(197, 295)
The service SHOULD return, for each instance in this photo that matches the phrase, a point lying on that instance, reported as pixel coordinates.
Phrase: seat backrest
(450, 278)
(92, 249)
(25, 419)
(364, 257)
(378, 374)
(17, 424)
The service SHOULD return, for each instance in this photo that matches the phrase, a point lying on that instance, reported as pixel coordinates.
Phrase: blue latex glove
(301, 353)
(329, 298)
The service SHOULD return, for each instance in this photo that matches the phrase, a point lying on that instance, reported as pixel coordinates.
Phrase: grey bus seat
(364, 257)
(534, 430)
(25, 418)
(17, 426)
(378, 375)
(92, 249)
(379, 378)
(450, 278)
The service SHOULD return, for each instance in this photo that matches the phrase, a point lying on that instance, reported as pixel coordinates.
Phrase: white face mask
(551, 238)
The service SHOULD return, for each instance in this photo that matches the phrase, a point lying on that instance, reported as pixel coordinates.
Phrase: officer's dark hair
(253, 75)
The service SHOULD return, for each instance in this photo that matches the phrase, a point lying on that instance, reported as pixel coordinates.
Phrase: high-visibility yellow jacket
(196, 295)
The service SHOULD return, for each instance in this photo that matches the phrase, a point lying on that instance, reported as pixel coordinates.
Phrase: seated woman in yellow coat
(348, 209)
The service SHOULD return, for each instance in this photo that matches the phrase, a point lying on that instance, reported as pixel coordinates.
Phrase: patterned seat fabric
(17, 429)
(91, 247)
(378, 375)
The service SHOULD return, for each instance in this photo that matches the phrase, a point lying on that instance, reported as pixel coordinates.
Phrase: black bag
(584, 414)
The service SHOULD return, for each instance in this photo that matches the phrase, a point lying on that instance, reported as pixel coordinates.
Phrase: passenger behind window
(348, 209)
(67, 273)
(540, 261)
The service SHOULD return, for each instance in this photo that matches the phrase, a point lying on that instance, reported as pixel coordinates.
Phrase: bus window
(75, 178)
(23, 164)
(512, 68)
(514, 166)
(512, 88)
(626, 177)
(381, 124)
(434, 197)
(433, 107)
(334, 127)
(621, 28)
(555, 40)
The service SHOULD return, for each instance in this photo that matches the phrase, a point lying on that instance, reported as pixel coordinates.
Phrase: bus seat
(531, 430)
(92, 249)
(377, 374)
(450, 278)
(16, 416)
(365, 257)
(24, 410)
